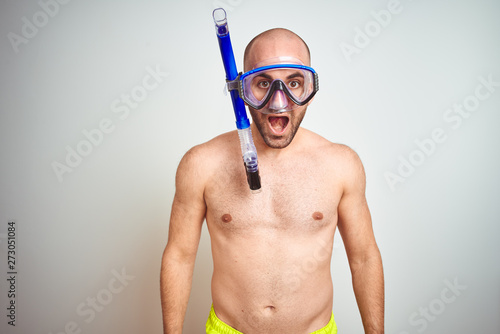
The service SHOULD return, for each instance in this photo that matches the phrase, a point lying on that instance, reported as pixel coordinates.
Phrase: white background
(110, 214)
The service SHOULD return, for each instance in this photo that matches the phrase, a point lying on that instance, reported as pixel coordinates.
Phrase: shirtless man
(272, 250)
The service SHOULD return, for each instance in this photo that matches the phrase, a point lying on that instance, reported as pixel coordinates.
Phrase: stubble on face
(273, 140)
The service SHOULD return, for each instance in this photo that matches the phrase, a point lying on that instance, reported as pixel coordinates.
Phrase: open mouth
(278, 124)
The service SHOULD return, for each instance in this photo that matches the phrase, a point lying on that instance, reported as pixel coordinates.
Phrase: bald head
(273, 43)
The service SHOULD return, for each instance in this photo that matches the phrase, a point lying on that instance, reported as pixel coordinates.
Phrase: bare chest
(296, 200)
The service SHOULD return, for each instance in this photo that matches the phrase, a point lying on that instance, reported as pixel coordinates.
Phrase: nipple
(226, 218)
(317, 215)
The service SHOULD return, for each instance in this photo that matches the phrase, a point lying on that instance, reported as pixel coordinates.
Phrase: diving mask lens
(264, 84)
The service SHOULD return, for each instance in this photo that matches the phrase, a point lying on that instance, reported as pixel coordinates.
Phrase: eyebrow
(291, 76)
(295, 75)
(265, 75)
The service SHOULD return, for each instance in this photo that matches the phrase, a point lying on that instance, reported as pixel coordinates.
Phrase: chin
(278, 142)
(277, 146)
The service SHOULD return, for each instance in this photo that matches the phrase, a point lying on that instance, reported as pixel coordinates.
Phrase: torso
(272, 250)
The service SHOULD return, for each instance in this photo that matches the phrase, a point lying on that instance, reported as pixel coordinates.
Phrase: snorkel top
(248, 150)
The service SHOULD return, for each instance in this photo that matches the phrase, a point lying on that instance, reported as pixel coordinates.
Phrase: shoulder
(328, 150)
(338, 159)
(200, 161)
(214, 149)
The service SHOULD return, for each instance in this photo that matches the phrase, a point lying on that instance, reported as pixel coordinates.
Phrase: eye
(294, 84)
(263, 84)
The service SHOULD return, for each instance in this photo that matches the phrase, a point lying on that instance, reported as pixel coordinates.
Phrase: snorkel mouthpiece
(250, 159)
(248, 150)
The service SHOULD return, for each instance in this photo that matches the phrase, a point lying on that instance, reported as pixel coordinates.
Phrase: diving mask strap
(234, 84)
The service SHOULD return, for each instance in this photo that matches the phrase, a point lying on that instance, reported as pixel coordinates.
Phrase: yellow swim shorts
(216, 326)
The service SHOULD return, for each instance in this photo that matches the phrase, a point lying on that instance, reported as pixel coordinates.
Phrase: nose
(279, 101)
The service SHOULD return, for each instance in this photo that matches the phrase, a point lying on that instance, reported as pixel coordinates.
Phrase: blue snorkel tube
(248, 149)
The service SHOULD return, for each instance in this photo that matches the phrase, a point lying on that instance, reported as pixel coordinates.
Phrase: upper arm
(355, 225)
(188, 208)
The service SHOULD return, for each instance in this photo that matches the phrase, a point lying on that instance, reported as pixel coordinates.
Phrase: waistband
(216, 326)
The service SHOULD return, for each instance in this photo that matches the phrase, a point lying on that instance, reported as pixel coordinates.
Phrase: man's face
(278, 128)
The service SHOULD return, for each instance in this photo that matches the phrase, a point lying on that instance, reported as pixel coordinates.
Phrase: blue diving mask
(280, 86)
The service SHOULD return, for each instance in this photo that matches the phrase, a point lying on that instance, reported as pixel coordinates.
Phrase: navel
(317, 215)
(226, 218)
(270, 308)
